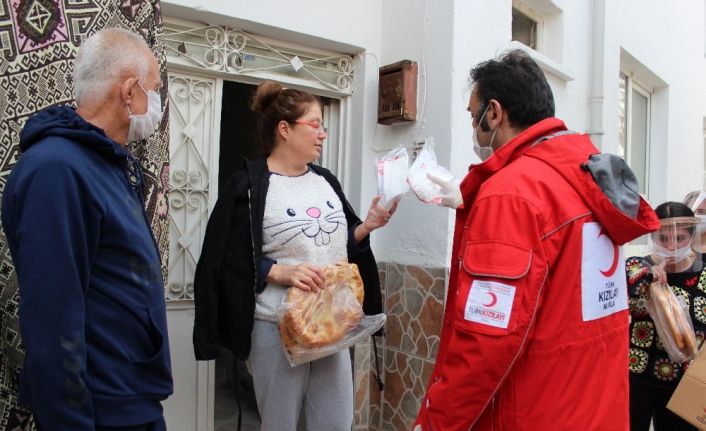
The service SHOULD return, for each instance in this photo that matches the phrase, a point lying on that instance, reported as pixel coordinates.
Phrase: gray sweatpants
(322, 388)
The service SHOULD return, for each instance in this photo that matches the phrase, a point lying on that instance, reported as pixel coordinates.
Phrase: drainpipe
(596, 96)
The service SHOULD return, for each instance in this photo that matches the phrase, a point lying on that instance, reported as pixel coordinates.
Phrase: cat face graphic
(317, 222)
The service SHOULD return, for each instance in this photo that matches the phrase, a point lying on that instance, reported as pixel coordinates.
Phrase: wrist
(273, 276)
(363, 230)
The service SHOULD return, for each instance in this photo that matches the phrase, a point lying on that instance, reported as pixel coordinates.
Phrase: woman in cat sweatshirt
(278, 221)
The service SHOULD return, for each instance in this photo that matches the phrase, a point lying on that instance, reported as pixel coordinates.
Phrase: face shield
(677, 239)
(699, 209)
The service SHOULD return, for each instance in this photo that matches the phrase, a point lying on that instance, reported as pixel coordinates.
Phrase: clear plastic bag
(426, 190)
(368, 325)
(672, 322)
(317, 324)
(392, 172)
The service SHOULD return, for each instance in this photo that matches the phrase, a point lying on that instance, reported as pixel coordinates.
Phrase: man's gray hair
(104, 57)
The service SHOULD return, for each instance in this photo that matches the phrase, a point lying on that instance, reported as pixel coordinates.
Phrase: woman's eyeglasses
(316, 124)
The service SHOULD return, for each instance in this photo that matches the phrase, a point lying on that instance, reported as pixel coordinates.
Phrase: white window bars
(232, 51)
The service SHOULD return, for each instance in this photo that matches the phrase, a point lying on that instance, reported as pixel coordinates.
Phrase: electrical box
(397, 99)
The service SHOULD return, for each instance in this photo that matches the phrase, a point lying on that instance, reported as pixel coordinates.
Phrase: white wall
(479, 33)
(667, 38)
(417, 30)
(703, 101)
(340, 25)
(456, 37)
(447, 38)
(571, 97)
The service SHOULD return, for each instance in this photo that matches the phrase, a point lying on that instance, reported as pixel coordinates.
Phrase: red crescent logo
(493, 300)
(616, 254)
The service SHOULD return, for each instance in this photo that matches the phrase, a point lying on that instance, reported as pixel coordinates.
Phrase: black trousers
(158, 425)
(152, 426)
(649, 403)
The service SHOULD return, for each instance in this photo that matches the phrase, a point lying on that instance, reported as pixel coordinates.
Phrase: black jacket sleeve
(224, 272)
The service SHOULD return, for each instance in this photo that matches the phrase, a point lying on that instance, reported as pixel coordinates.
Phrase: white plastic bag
(426, 190)
(392, 172)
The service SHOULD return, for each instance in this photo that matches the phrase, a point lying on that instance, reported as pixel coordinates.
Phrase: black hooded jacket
(227, 274)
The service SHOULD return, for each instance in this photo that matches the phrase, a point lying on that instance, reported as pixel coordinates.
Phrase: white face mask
(678, 254)
(143, 125)
(483, 153)
(701, 227)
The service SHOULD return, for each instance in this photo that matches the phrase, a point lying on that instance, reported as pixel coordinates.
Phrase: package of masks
(423, 188)
(392, 172)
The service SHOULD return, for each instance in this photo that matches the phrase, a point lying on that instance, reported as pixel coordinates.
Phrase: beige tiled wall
(414, 304)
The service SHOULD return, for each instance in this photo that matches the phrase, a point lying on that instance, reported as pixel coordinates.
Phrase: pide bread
(315, 319)
(674, 320)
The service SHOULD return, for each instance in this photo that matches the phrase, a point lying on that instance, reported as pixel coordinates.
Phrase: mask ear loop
(484, 126)
(129, 112)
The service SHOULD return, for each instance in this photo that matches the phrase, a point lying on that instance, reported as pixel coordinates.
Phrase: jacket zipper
(512, 364)
(137, 189)
(492, 417)
(252, 243)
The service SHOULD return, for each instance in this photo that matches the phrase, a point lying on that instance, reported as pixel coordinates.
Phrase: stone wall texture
(414, 304)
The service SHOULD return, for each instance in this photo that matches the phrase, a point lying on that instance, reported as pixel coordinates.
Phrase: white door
(199, 59)
(194, 115)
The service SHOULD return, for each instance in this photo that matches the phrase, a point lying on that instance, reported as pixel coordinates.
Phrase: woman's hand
(377, 217)
(659, 275)
(304, 276)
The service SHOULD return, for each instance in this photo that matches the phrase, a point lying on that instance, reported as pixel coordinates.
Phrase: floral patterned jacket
(648, 359)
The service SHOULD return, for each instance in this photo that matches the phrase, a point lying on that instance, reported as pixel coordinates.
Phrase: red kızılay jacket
(535, 331)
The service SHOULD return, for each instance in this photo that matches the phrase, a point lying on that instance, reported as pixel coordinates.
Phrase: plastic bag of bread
(317, 324)
(672, 322)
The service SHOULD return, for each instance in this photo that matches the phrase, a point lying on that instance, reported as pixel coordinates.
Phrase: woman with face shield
(696, 200)
(673, 261)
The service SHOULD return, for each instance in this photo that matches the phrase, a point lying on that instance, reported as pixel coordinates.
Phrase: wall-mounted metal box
(397, 99)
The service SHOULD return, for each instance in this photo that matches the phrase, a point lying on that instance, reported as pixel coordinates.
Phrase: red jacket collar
(512, 149)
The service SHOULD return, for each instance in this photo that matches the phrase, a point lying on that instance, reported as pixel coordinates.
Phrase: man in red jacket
(535, 331)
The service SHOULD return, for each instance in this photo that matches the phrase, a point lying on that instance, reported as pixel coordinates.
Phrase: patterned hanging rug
(38, 42)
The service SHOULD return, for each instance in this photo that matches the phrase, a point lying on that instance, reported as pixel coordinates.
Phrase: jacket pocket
(496, 259)
(491, 285)
(154, 372)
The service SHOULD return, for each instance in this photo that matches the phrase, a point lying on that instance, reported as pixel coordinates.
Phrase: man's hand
(451, 197)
